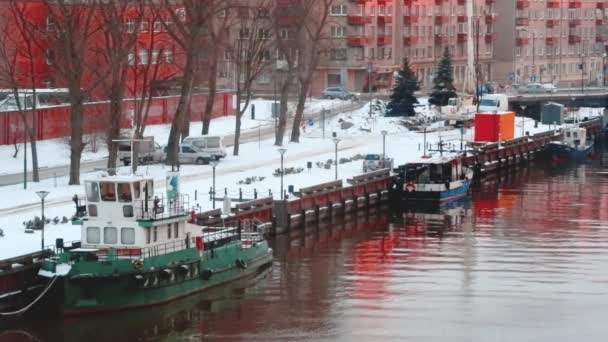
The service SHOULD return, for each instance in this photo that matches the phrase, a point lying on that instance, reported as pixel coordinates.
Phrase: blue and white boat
(434, 179)
(573, 146)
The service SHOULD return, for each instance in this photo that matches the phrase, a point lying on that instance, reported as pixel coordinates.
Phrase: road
(247, 136)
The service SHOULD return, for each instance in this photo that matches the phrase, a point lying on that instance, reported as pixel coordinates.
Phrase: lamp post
(604, 69)
(282, 152)
(384, 133)
(523, 119)
(213, 164)
(533, 52)
(582, 72)
(42, 194)
(370, 68)
(336, 142)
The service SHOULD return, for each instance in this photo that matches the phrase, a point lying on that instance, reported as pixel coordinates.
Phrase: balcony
(489, 37)
(522, 41)
(601, 39)
(357, 41)
(552, 4)
(522, 22)
(358, 2)
(385, 19)
(521, 4)
(410, 19)
(552, 22)
(461, 38)
(441, 19)
(385, 40)
(410, 40)
(461, 2)
(358, 20)
(602, 5)
(574, 22)
(463, 19)
(440, 2)
(601, 21)
(552, 40)
(573, 39)
(575, 4)
(490, 2)
(441, 39)
(490, 18)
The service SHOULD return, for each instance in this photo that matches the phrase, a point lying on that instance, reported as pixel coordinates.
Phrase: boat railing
(165, 248)
(160, 207)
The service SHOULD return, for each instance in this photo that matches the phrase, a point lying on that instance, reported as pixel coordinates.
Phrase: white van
(212, 144)
(494, 102)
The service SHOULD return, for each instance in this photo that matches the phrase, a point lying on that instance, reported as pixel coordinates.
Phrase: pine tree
(443, 83)
(402, 99)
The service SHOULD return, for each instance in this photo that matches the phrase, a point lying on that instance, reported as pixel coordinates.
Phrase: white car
(538, 88)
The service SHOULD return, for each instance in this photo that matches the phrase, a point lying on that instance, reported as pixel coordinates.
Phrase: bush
(250, 180)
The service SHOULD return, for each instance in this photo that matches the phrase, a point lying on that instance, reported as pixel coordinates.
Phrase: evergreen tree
(402, 99)
(443, 83)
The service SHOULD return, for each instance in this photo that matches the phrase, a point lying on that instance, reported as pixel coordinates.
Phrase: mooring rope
(24, 309)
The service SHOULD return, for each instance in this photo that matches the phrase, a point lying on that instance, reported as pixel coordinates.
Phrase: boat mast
(469, 82)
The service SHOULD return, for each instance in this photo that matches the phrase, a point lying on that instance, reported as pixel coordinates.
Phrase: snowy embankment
(359, 134)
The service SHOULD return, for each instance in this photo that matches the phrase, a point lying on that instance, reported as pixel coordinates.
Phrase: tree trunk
(297, 119)
(283, 112)
(76, 144)
(181, 119)
(34, 149)
(208, 113)
(237, 135)
(114, 130)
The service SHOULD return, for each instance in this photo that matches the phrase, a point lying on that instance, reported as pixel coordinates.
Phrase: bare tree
(288, 27)
(188, 28)
(312, 44)
(121, 20)
(250, 53)
(17, 45)
(74, 25)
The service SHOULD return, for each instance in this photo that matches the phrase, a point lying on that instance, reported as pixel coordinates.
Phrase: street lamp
(213, 164)
(582, 73)
(384, 133)
(336, 142)
(523, 118)
(282, 152)
(42, 194)
(604, 69)
(533, 52)
(370, 68)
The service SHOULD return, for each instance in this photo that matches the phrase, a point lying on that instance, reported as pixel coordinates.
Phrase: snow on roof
(435, 158)
(121, 178)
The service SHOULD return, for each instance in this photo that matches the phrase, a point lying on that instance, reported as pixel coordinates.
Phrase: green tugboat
(139, 249)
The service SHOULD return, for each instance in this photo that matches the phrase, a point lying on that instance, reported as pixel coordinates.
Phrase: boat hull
(564, 152)
(421, 194)
(83, 293)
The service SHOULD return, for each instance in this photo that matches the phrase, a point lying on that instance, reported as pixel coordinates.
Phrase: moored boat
(139, 248)
(434, 179)
(573, 146)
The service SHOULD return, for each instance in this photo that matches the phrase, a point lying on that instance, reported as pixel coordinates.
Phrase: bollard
(255, 193)
(196, 195)
(210, 193)
(55, 179)
(240, 194)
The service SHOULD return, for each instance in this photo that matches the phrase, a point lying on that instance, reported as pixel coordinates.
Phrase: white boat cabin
(575, 137)
(124, 213)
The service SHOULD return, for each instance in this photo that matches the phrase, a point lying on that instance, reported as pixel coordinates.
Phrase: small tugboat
(433, 180)
(573, 146)
(139, 248)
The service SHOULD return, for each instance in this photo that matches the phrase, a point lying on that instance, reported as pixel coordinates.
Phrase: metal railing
(159, 207)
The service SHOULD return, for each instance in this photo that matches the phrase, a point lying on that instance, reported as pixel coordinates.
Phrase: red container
(490, 127)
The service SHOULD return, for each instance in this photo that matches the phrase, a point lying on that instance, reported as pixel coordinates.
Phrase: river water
(526, 259)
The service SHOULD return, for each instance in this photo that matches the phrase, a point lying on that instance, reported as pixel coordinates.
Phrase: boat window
(575, 135)
(567, 134)
(124, 192)
(176, 230)
(110, 235)
(92, 210)
(148, 236)
(127, 236)
(155, 234)
(92, 190)
(108, 191)
(127, 210)
(168, 231)
(136, 190)
(149, 189)
(93, 235)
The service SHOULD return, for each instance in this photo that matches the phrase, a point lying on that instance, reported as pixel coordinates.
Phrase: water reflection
(523, 259)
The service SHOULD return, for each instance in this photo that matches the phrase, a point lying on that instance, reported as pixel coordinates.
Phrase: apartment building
(371, 38)
(563, 41)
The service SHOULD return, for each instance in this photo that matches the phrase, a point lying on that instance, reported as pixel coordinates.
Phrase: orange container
(490, 127)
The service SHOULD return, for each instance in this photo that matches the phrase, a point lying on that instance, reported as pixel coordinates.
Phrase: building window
(169, 231)
(51, 26)
(155, 54)
(143, 56)
(110, 235)
(143, 26)
(168, 56)
(131, 58)
(131, 25)
(158, 26)
(127, 236)
(263, 79)
(338, 10)
(50, 56)
(93, 235)
(338, 31)
(176, 230)
(155, 234)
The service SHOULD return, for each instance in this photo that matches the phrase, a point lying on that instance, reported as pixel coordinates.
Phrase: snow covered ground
(55, 152)
(362, 136)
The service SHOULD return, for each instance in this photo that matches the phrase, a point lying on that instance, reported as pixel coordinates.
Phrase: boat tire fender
(240, 263)
(410, 187)
(138, 264)
(206, 274)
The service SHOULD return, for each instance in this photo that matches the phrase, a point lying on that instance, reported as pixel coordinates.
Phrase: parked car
(211, 144)
(337, 93)
(148, 151)
(538, 88)
(188, 154)
(373, 162)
